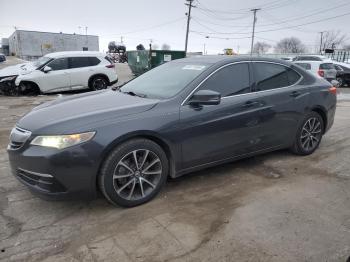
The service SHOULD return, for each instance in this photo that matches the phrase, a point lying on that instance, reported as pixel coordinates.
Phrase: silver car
(320, 68)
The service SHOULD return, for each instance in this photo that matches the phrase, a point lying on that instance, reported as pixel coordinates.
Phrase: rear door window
(78, 62)
(271, 76)
(230, 80)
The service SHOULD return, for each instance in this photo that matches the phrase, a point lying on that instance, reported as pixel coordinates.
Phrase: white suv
(61, 71)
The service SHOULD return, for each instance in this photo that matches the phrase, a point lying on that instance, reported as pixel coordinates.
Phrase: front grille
(18, 137)
(45, 182)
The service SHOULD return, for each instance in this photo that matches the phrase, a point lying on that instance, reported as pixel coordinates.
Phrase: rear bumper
(330, 117)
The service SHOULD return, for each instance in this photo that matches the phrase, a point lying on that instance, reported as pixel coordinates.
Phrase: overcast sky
(228, 23)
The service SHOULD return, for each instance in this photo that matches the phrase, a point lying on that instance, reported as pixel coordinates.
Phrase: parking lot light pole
(189, 4)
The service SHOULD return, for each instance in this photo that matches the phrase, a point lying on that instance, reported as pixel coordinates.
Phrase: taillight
(110, 66)
(333, 90)
(320, 73)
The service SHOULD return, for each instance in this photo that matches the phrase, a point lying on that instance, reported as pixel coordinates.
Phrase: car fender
(28, 77)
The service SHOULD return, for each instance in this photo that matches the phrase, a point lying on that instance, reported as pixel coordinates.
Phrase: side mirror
(205, 97)
(47, 69)
(335, 83)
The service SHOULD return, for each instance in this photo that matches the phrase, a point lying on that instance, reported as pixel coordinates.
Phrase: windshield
(41, 61)
(164, 81)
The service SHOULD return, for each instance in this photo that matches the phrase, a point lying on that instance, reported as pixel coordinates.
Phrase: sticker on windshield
(193, 67)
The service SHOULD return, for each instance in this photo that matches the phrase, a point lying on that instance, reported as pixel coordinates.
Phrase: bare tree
(155, 47)
(261, 48)
(290, 45)
(165, 47)
(332, 39)
(346, 47)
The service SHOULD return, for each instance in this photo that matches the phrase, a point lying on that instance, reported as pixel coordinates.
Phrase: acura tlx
(182, 116)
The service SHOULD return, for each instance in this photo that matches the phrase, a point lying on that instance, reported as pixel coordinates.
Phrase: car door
(282, 103)
(57, 79)
(215, 132)
(80, 72)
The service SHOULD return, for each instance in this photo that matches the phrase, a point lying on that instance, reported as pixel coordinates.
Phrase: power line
(273, 4)
(217, 37)
(304, 16)
(309, 23)
(286, 27)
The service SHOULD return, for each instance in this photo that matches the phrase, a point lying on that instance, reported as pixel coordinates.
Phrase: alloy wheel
(137, 174)
(99, 84)
(311, 134)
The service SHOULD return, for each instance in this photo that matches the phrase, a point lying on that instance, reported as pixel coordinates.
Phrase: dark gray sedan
(180, 117)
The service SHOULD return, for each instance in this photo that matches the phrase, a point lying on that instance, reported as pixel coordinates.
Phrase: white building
(30, 45)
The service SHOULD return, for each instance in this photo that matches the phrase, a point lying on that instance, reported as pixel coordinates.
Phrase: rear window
(109, 59)
(306, 66)
(94, 61)
(327, 66)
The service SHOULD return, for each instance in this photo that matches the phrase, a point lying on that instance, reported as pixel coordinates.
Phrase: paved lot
(274, 207)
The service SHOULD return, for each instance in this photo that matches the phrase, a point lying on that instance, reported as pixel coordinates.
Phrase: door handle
(250, 104)
(295, 94)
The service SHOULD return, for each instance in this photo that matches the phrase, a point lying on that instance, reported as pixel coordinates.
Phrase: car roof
(74, 53)
(320, 56)
(214, 59)
(313, 62)
(341, 64)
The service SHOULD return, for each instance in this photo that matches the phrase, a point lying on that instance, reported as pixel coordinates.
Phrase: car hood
(20, 69)
(67, 114)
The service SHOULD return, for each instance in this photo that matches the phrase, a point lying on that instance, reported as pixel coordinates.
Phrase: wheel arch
(153, 136)
(30, 82)
(322, 112)
(98, 74)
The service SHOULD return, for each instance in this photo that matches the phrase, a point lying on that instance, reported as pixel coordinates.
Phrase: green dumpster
(141, 61)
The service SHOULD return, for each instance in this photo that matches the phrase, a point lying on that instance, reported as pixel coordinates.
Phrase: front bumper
(8, 87)
(57, 174)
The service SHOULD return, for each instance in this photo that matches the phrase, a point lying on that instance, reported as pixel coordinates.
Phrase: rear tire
(98, 83)
(309, 134)
(133, 173)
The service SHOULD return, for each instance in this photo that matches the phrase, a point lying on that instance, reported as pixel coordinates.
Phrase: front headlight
(9, 78)
(62, 141)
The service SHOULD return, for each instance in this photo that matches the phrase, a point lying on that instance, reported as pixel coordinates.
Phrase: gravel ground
(273, 207)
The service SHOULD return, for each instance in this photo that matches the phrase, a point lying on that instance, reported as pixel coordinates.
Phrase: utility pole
(121, 39)
(254, 21)
(189, 4)
(321, 40)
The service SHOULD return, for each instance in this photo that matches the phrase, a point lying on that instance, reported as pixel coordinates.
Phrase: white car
(58, 72)
(311, 58)
(322, 69)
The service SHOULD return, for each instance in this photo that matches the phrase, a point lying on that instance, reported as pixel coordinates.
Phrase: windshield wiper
(114, 88)
(134, 94)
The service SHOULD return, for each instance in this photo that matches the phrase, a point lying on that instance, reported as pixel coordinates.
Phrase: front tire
(309, 134)
(133, 173)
